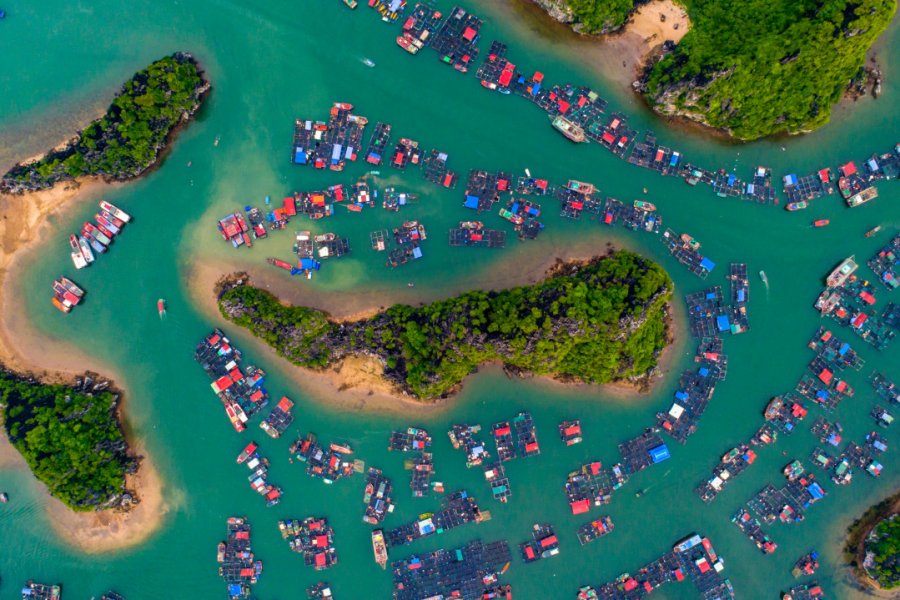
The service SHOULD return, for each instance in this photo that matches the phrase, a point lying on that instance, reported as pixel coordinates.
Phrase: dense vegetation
(883, 553)
(70, 438)
(601, 16)
(761, 67)
(129, 137)
(595, 322)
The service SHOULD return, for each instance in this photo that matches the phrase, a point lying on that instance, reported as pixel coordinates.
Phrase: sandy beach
(356, 382)
(24, 225)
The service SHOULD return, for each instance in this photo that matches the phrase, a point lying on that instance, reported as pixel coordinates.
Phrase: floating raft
(259, 474)
(462, 436)
(805, 591)
(886, 264)
(41, 591)
(456, 40)
(570, 432)
(473, 234)
(523, 214)
(279, 419)
(751, 528)
(328, 464)
(319, 591)
(596, 529)
(419, 28)
(435, 170)
(543, 544)
(733, 463)
(632, 217)
(484, 189)
(457, 509)
(242, 392)
(685, 250)
(236, 561)
(495, 475)
(693, 558)
(313, 538)
(377, 497)
(740, 297)
(378, 143)
(466, 572)
(593, 485)
(784, 412)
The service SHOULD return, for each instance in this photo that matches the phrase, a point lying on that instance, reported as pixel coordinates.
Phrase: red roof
(848, 169)
(501, 431)
(476, 237)
(469, 33)
(549, 541)
(859, 320)
(630, 584)
(867, 297)
(538, 77)
(247, 572)
(321, 541)
(578, 205)
(609, 138)
(541, 183)
(703, 565)
(608, 218)
(529, 551)
(595, 467)
(505, 77)
(224, 382)
(242, 535)
(572, 430)
(580, 507)
(679, 575)
(564, 106)
(825, 175)
(659, 156)
(290, 207)
(614, 124)
(751, 456)
(320, 559)
(825, 376)
(502, 184)
(531, 447)
(648, 587)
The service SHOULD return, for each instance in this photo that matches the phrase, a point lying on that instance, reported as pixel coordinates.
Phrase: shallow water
(272, 64)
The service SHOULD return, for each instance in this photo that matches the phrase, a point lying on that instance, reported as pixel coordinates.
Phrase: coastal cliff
(600, 321)
(129, 138)
(590, 16)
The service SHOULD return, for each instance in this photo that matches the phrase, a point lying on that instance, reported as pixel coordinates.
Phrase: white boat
(77, 257)
(115, 211)
(85, 248)
(368, 62)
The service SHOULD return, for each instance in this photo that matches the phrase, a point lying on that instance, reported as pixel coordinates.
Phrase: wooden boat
(77, 257)
(842, 272)
(379, 548)
(161, 307)
(821, 223)
(797, 205)
(572, 131)
(873, 231)
(645, 206)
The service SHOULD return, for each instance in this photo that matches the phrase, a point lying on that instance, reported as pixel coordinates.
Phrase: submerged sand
(24, 225)
(356, 383)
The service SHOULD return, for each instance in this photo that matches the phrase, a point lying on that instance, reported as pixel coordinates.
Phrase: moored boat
(873, 231)
(572, 131)
(106, 224)
(97, 234)
(379, 548)
(842, 272)
(821, 223)
(247, 452)
(350, 3)
(85, 249)
(77, 257)
(764, 277)
(115, 211)
(645, 206)
(690, 241)
(792, 206)
(161, 307)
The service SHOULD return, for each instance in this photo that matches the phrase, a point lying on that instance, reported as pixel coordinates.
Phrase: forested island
(129, 138)
(873, 544)
(753, 68)
(71, 438)
(598, 321)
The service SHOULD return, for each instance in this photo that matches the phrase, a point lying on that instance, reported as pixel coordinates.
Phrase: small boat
(97, 234)
(379, 548)
(115, 211)
(842, 272)
(762, 276)
(247, 453)
(690, 241)
(85, 249)
(646, 206)
(572, 131)
(639, 493)
(821, 223)
(2, 14)
(527, 173)
(60, 304)
(77, 257)
(350, 3)
(105, 224)
(324, 237)
(471, 225)
(112, 219)
(104, 229)
(368, 62)
(3, 497)
(354, 207)
(792, 206)
(873, 231)
(161, 307)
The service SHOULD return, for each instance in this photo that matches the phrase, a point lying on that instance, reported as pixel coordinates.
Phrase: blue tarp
(235, 589)
(703, 371)
(514, 209)
(710, 295)
(535, 89)
(417, 252)
(348, 152)
(731, 179)
(679, 395)
(751, 188)
(790, 179)
(674, 160)
(336, 153)
(374, 155)
(833, 439)
(873, 165)
(844, 347)
(815, 490)
(722, 323)
(659, 454)
(822, 394)
(299, 156)
(309, 264)
(741, 295)
(707, 264)
(533, 211)
(471, 202)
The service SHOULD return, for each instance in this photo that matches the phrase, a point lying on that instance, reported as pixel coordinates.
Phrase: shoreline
(24, 223)
(356, 381)
(855, 543)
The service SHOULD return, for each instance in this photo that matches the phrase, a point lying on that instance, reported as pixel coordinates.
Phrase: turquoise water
(272, 64)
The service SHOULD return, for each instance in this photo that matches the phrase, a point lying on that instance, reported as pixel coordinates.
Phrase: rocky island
(600, 321)
(129, 138)
(749, 69)
(71, 438)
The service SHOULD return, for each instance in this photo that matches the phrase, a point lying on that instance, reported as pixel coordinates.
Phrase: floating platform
(457, 509)
(236, 561)
(462, 436)
(377, 497)
(596, 529)
(466, 572)
(543, 544)
(313, 538)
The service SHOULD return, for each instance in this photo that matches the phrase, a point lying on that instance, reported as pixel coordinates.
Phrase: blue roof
(374, 155)
(822, 394)
(310, 264)
(703, 371)
(679, 395)
(707, 264)
(660, 453)
(790, 179)
(815, 490)
(731, 179)
(710, 295)
(235, 589)
(844, 347)
(299, 156)
(741, 295)
(417, 252)
(535, 89)
(533, 210)
(722, 323)
(471, 202)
